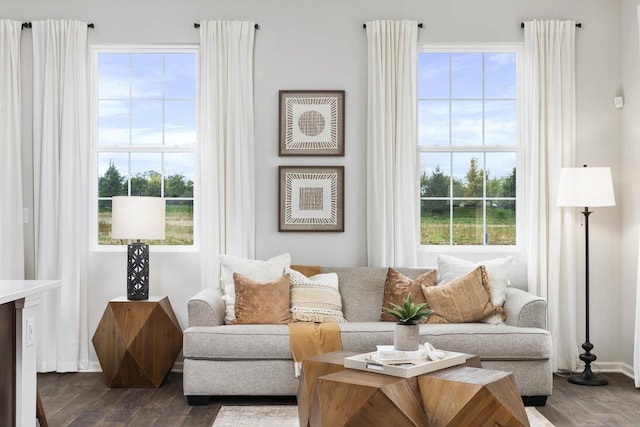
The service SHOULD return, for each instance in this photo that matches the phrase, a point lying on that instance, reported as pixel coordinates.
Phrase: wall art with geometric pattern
(311, 198)
(312, 123)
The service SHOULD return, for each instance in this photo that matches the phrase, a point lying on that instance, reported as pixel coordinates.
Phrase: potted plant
(406, 336)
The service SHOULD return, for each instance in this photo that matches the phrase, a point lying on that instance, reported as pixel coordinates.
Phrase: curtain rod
(419, 25)
(28, 25)
(196, 25)
(578, 25)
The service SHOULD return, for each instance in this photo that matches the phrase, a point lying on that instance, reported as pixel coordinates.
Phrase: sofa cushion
(450, 268)
(262, 271)
(263, 342)
(465, 299)
(397, 286)
(315, 298)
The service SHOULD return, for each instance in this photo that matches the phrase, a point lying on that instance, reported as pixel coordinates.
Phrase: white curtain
(60, 160)
(226, 132)
(636, 341)
(548, 131)
(11, 228)
(392, 160)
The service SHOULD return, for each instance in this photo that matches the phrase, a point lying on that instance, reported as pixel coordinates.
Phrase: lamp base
(138, 271)
(587, 378)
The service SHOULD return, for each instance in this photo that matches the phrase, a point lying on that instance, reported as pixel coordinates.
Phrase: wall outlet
(30, 333)
(618, 101)
(25, 215)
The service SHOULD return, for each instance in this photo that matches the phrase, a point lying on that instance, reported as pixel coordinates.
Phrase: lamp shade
(586, 187)
(137, 218)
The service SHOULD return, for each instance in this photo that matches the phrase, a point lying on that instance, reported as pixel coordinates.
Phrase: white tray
(364, 362)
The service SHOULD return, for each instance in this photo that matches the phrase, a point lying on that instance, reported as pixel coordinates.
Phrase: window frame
(96, 149)
(518, 149)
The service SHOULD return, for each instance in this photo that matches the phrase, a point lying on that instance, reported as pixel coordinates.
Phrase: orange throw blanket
(310, 339)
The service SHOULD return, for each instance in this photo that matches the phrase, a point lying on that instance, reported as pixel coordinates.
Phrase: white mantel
(26, 296)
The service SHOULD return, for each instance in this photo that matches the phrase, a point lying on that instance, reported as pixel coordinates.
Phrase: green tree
(437, 185)
(175, 186)
(508, 185)
(475, 178)
(111, 183)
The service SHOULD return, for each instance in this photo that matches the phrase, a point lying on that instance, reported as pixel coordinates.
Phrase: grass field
(179, 227)
(435, 227)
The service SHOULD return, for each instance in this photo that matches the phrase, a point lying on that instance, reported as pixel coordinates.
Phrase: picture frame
(312, 122)
(311, 198)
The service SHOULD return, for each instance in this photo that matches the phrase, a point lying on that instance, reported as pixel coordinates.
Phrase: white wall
(307, 44)
(630, 74)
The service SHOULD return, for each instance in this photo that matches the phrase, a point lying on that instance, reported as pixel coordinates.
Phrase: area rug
(287, 416)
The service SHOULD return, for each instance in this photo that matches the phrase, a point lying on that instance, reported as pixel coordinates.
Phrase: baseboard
(95, 367)
(616, 367)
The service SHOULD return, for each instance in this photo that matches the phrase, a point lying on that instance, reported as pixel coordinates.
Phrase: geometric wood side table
(137, 342)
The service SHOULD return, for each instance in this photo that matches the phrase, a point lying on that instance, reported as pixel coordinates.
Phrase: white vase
(406, 337)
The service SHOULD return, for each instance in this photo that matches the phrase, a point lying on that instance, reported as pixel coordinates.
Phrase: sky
(462, 99)
(135, 92)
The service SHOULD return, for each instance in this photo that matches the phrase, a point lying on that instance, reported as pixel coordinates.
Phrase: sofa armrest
(524, 309)
(206, 308)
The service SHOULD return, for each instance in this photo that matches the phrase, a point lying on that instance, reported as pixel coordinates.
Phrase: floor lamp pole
(587, 377)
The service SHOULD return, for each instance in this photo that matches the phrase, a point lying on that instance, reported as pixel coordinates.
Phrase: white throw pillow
(451, 268)
(260, 271)
(315, 298)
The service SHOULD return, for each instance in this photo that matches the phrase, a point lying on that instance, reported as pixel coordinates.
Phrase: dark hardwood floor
(82, 399)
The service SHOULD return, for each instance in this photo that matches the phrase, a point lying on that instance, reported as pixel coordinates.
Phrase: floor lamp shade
(586, 187)
(136, 218)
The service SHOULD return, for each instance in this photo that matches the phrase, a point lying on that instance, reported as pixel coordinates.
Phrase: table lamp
(584, 187)
(137, 218)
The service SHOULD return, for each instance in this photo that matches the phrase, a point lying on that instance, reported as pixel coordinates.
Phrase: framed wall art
(311, 198)
(312, 123)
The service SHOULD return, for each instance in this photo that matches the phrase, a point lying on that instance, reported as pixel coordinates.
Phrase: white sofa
(228, 360)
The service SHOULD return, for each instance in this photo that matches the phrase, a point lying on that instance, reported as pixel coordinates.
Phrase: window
(469, 147)
(145, 136)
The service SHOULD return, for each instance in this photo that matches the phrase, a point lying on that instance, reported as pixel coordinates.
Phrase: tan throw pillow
(397, 286)
(259, 303)
(466, 299)
(307, 270)
(316, 298)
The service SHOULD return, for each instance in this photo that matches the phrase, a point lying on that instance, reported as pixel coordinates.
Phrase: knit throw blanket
(310, 339)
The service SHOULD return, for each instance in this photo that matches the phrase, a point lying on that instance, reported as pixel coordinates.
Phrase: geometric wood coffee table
(331, 395)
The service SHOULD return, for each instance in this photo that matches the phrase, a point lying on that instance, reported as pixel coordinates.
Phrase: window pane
(146, 74)
(435, 174)
(466, 123)
(146, 123)
(113, 75)
(104, 223)
(180, 123)
(468, 174)
(178, 170)
(500, 123)
(467, 222)
(113, 169)
(433, 75)
(435, 226)
(179, 222)
(499, 75)
(501, 174)
(146, 177)
(180, 76)
(466, 75)
(113, 123)
(433, 123)
(501, 222)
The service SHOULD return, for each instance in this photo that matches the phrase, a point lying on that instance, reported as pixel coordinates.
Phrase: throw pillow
(259, 303)
(466, 299)
(315, 298)
(262, 271)
(450, 268)
(397, 286)
(307, 270)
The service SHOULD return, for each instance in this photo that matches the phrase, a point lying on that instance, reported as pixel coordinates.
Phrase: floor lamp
(584, 187)
(137, 218)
